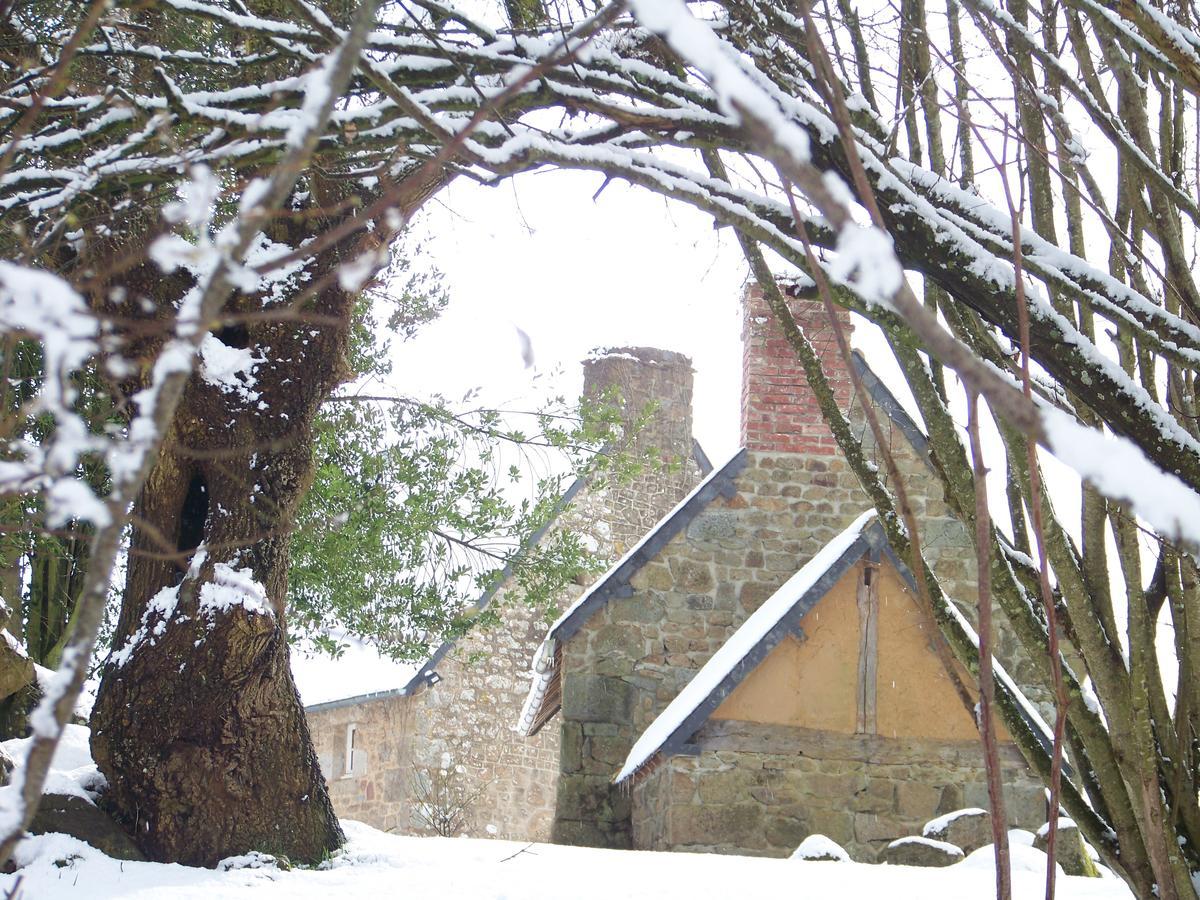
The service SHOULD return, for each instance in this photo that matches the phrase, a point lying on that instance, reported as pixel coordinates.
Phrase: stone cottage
(391, 736)
(826, 711)
(796, 740)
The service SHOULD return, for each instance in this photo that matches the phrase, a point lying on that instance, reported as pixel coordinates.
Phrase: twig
(1035, 509)
(524, 849)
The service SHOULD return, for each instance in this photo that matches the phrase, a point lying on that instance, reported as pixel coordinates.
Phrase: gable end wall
(636, 653)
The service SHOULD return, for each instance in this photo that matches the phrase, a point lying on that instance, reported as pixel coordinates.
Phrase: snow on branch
(1117, 468)
(38, 304)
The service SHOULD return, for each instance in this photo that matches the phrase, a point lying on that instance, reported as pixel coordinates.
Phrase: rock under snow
(72, 771)
(252, 860)
(71, 815)
(1070, 852)
(1021, 836)
(920, 851)
(817, 847)
(68, 805)
(16, 668)
(969, 828)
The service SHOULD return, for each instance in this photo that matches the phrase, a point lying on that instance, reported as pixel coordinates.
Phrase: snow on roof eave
(756, 637)
(543, 671)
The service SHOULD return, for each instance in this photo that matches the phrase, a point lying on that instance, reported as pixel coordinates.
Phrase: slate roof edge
(421, 679)
(354, 701)
(891, 407)
(615, 582)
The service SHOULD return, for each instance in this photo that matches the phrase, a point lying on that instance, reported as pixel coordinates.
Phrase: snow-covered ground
(375, 864)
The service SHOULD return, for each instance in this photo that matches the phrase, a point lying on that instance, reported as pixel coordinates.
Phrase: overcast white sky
(575, 274)
(627, 269)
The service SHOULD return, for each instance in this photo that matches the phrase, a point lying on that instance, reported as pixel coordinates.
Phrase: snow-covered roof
(756, 637)
(768, 625)
(615, 582)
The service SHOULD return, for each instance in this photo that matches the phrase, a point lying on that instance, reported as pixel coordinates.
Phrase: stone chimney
(779, 411)
(647, 378)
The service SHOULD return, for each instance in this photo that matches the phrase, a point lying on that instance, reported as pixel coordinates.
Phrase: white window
(355, 757)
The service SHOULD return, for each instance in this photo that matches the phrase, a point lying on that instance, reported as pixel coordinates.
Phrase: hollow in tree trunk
(198, 726)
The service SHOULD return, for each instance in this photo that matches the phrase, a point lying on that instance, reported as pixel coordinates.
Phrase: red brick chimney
(779, 412)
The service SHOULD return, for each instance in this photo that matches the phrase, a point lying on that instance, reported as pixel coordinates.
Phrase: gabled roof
(544, 696)
(542, 700)
(750, 644)
(762, 632)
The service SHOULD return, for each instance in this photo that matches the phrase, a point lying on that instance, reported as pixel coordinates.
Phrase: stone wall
(653, 389)
(464, 722)
(760, 790)
(378, 793)
(794, 495)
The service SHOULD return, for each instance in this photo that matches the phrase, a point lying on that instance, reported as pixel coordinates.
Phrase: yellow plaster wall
(807, 683)
(914, 696)
(812, 683)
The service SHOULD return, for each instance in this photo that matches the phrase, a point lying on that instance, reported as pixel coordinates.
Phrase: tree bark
(198, 726)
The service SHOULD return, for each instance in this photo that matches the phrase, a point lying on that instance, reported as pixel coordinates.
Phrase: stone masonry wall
(795, 494)
(654, 390)
(379, 794)
(861, 791)
(465, 721)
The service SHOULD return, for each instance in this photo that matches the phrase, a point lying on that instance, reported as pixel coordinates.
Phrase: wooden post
(868, 646)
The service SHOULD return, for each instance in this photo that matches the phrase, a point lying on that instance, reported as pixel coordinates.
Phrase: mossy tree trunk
(198, 726)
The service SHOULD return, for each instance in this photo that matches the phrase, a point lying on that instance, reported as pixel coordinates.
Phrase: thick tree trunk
(206, 748)
(198, 727)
